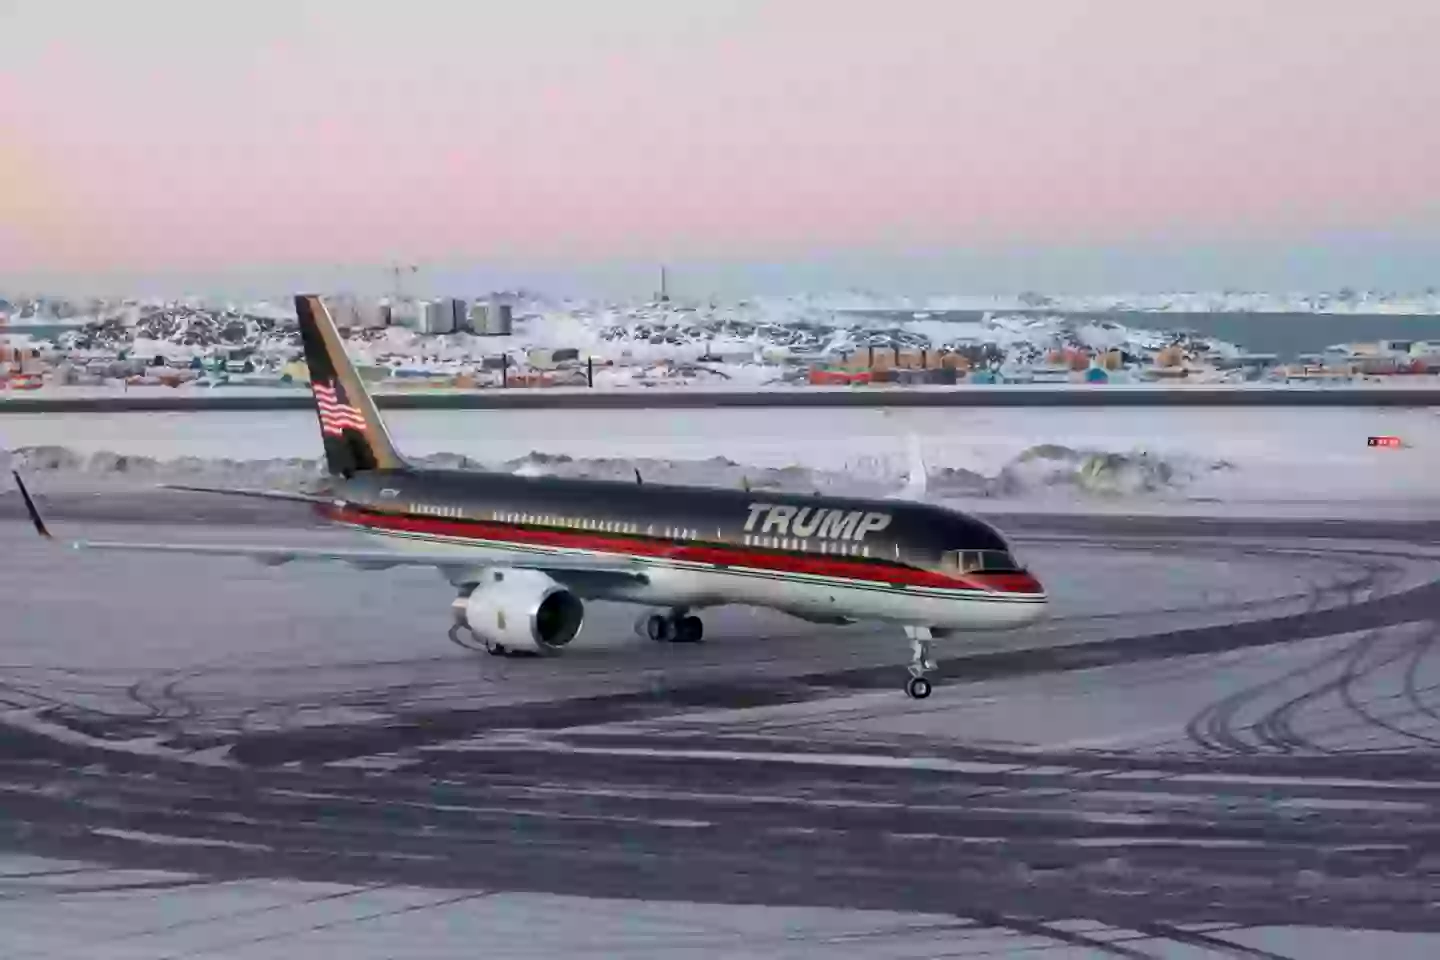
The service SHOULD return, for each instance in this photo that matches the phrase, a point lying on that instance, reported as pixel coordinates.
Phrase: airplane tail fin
(354, 435)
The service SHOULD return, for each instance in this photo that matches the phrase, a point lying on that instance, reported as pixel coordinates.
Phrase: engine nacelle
(521, 610)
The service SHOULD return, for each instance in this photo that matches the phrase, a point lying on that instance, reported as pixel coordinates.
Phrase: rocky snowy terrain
(732, 341)
(758, 342)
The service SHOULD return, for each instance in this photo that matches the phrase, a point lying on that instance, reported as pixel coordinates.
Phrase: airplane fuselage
(825, 558)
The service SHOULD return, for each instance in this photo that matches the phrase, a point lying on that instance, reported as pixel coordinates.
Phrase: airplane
(527, 552)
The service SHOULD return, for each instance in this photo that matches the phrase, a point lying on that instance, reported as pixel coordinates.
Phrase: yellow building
(1170, 357)
(909, 358)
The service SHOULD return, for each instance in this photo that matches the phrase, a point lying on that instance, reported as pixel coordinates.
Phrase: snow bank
(1044, 468)
(1099, 457)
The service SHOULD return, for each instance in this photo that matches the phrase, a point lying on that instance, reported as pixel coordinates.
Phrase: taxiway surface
(1224, 740)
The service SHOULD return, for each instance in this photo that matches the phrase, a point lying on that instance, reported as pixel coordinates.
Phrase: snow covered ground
(63, 909)
(1270, 460)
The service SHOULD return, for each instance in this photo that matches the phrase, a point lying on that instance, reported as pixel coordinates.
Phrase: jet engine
(520, 610)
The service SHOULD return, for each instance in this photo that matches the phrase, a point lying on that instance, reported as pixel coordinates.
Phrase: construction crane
(397, 271)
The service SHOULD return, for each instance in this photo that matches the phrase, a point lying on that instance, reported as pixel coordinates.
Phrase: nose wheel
(918, 687)
(674, 627)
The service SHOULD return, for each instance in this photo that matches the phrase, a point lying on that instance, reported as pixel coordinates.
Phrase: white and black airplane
(526, 552)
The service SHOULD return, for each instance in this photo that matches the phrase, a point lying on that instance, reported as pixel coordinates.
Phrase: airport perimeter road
(1224, 731)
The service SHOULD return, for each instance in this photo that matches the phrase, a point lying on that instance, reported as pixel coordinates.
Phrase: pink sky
(154, 135)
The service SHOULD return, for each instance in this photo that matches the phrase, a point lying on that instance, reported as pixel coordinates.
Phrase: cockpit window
(978, 561)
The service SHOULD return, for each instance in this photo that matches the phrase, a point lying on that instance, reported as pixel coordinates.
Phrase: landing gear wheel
(917, 687)
(659, 628)
(496, 649)
(672, 628)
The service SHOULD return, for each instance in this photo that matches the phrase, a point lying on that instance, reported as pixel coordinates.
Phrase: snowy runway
(182, 647)
(1226, 730)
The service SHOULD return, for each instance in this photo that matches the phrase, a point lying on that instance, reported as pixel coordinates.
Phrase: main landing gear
(677, 626)
(917, 687)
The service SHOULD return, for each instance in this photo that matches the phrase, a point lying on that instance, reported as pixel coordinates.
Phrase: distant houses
(406, 344)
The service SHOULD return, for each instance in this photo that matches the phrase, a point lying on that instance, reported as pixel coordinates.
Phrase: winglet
(30, 507)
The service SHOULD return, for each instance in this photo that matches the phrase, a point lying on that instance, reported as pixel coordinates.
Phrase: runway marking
(1109, 741)
(1218, 844)
(1367, 803)
(804, 759)
(942, 838)
(941, 765)
(682, 796)
(168, 840)
(944, 809)
(489, 810)
(1283, 781)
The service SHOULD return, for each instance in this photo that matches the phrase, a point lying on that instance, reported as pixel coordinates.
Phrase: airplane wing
(456, 567)
(277, 554)
(248, 492)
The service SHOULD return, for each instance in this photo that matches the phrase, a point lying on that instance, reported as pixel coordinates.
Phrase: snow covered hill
(761, 331)
(752, 342)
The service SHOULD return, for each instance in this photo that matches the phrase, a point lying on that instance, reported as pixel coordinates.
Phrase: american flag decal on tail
(335, 416)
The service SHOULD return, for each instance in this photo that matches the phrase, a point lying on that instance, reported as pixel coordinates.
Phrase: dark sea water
(42, 330)
(1284, 334)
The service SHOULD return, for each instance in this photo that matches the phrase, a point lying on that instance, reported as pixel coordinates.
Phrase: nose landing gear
(918, 687)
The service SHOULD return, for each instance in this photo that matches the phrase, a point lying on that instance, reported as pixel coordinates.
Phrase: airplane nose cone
(1030, 599)
(1038, 609)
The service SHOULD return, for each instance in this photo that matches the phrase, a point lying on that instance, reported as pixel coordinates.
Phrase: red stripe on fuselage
(873, 570)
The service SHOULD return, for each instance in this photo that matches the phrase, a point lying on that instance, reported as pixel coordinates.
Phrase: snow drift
(1042, 469)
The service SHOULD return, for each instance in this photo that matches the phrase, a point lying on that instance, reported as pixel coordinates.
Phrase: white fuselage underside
(691, 584)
